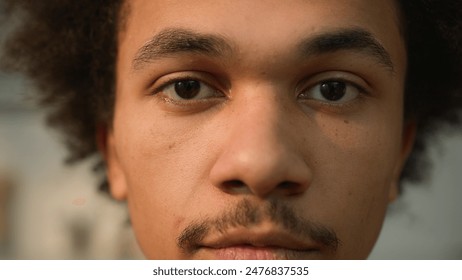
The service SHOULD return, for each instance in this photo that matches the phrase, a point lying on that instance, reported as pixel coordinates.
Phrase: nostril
(232, 184)
(290, 188)
(287, 185)
(234, 187)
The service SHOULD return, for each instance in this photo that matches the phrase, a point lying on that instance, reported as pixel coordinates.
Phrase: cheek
(165, 162)
(354, 168)
(363, 147)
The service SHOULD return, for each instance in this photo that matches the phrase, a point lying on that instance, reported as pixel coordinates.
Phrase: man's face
(256, 129)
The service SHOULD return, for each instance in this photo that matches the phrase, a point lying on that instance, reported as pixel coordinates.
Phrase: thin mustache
(247, 214)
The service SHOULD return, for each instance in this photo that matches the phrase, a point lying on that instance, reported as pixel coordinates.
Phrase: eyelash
(171, 81)
(362, 90)
(188, 105)
(319, 103)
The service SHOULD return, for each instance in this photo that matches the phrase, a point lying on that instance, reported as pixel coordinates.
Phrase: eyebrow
(177, 40)
(173, 41)
(356, 39)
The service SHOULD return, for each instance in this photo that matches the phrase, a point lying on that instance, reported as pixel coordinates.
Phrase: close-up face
(258, 129)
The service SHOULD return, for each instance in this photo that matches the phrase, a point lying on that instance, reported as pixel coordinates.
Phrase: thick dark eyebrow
(178, 40)
(356, 39)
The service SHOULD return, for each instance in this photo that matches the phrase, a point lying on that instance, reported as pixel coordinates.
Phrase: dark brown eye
(333, 90)
(187, 89)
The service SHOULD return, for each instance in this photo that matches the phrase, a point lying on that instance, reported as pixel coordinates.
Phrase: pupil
(187, 89)
(333, 91)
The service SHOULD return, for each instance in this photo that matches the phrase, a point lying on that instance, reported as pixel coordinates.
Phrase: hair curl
(68, 48)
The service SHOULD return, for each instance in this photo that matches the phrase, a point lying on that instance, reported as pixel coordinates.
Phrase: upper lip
(264, 238)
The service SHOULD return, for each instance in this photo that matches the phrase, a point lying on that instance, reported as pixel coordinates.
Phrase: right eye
(332, 92)
(184, 89)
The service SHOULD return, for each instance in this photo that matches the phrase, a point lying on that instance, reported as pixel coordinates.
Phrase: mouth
(249, 252)
(263, 245)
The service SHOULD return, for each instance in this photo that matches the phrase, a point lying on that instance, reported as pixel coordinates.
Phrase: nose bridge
(258, 123)
(260, 152)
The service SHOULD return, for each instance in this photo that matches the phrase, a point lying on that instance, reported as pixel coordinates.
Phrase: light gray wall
(426, 222)
(56, 211)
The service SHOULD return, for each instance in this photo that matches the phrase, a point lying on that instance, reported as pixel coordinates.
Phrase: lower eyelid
(157, 89)
(348, 83)
(169, 86)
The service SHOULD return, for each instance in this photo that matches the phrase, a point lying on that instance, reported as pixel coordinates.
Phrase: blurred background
(52, 211)
(49, 210)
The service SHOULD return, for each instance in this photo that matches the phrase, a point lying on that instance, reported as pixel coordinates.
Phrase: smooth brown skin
(259, 123)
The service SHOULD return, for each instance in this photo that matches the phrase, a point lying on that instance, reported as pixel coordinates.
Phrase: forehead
(255, 12)
(261, 26)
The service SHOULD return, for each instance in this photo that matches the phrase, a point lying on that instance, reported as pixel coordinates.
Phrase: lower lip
(251, 253)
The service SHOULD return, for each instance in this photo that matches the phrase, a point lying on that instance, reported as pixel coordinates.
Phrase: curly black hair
(68, 48)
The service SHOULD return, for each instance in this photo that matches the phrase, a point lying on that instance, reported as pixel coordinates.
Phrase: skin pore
(258, 130)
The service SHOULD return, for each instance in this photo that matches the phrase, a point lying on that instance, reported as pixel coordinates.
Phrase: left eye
(188, 89)
(336, 92)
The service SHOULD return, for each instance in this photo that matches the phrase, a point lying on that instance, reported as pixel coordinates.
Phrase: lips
(242, 244)
(246, 252)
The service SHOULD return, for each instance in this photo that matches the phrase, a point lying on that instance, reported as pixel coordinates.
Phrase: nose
(262, 150)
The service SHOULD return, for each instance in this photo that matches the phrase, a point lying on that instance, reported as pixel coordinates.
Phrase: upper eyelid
(167, 83)
(210, 80)
(360, 88)
(361, 84)
(154, 88)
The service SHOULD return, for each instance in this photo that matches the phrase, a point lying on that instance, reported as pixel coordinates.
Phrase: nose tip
(249, 171)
